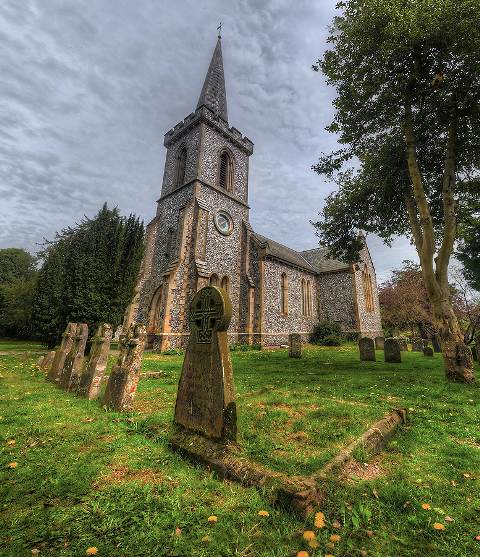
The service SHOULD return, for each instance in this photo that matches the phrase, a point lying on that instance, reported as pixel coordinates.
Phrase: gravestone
(294, 345)
(428, 351)
(70, 374)
(392, 351)
(437, 347)
(123, 380)
(92, 375)
(379, 343)
(367, 349)
(417, 345)
(205, 399)
(44, 362)
(61, 353)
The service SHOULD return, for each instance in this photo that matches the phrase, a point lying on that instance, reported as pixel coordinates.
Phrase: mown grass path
(85, 477)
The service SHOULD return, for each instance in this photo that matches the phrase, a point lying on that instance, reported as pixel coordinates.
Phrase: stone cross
(205, 399)
(294, 345)
(123, 380)
(70, 374)
(379, 343)
(392, 351)
(92, 375)
(367, 349)
(61, 353)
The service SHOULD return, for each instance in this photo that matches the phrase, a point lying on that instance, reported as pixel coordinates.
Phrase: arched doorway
(155, 312)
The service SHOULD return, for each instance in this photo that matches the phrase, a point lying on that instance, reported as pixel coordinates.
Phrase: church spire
(213, 94)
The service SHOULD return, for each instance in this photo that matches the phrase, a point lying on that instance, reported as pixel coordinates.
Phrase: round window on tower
(223, 223)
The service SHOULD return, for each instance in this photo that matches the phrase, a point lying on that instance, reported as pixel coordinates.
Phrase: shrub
(332, 340)
(326, 329)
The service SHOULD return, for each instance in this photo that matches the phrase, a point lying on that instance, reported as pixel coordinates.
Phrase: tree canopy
(88, 274)
(406, 75)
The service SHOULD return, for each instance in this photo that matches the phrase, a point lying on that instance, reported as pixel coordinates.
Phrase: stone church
(201, 235)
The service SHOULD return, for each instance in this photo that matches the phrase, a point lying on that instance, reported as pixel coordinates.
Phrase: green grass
(86, 477)
(7, 345)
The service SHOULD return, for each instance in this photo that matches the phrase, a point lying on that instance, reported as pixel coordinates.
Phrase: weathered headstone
(428, 351)
(44, 362)
(417, 345)
(392, 351)
(379, 343)
(366, 346)
(123, 380)
(205, 400)
(92, 375)
(61, 353)
(70, 375)
(294, 345)
(437, 347)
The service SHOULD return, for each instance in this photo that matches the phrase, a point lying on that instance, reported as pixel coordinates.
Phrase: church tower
(198, 235)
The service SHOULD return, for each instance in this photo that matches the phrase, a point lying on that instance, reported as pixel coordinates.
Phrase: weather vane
(219, 29)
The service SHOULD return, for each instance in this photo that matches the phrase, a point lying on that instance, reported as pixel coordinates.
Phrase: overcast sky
(89, 87)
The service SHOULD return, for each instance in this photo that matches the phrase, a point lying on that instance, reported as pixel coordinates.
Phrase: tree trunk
(457, 357)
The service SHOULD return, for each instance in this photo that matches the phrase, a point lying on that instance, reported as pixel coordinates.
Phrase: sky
(88, 88)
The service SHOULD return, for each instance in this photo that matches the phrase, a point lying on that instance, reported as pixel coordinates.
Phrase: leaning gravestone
(437, 347)
(70, 374)
(379, 343)
(417, 345)
(205, 400)
(428, 351)
(367, 349)
(92, 375)
(123, 380)
(62, 352)
(392, 351)
(46, 361)
(294, 345)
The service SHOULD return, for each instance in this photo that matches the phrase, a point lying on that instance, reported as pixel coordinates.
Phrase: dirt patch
(363, 470)
(124, 474)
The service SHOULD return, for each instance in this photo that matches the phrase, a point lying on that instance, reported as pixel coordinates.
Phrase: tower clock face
(224, 223)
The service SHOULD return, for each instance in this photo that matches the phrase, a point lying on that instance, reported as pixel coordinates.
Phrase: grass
(86, 477)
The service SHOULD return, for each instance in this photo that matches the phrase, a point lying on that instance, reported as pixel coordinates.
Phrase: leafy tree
(89, 273)
(17, 282)
(468, 251)
(406, 74)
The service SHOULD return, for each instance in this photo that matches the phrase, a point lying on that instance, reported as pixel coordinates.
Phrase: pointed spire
(213, 94)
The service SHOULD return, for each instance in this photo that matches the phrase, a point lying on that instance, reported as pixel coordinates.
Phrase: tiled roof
(318, 258)
(279, 251)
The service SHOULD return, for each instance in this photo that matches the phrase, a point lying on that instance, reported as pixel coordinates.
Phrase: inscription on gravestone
(61, 353)
(92, 375)
(367, 349)
(205, 399)
(123, 380)
(294, 345)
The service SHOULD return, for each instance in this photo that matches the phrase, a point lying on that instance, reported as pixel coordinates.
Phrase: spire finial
(219, 29)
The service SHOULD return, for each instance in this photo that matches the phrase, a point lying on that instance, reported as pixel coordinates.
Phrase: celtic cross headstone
(205, 399)
(123, 380)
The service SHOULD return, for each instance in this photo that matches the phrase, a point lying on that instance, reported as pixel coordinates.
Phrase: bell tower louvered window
(225, 175)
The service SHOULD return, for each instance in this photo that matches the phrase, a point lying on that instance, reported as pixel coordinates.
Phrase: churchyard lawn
(74, 476)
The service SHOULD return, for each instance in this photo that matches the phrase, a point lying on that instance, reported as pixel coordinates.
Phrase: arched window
(155, 311)
(181, 166)
(309, 299)
(214, 280)
(367, 290)
(304, 297)
(225, 284)
(284, 294)
(225, 174)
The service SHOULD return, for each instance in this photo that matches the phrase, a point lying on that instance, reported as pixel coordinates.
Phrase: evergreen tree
(89, 273)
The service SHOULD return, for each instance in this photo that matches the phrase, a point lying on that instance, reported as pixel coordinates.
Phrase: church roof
(323, 264)
(214, 95)
(279, 251)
